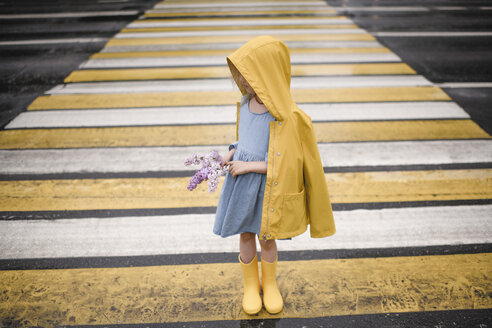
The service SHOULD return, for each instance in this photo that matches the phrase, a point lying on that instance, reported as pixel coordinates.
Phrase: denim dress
(241, 198)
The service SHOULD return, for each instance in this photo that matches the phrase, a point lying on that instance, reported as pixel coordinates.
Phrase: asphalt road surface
(101, 101)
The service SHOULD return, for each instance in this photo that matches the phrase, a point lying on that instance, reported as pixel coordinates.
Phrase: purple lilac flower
(211, 170)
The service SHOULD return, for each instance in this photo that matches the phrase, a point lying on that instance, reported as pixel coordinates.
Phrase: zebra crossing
(93, 169)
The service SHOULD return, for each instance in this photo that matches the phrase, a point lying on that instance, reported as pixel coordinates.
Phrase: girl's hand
(238, 167)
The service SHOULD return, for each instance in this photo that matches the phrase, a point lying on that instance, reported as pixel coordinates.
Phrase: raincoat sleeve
(318, 205)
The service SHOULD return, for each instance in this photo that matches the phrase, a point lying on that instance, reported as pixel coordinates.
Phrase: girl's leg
(247, 246)
(268, 250)
(249, 265)
(272, 299)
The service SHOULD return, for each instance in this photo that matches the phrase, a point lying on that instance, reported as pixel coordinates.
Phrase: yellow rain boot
(271, 295)
(251, 299)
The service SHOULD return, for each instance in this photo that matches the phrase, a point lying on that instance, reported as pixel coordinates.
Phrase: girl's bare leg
(268, 250)
(247, 246)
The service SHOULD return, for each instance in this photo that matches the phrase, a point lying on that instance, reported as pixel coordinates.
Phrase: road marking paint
(219, 60)
(130, 35)
(175, 234)
(71, 14)
(218, 6)
(465, 85)
(258, 12)
(217, 72)
(198, 8)
(149, 159)
(430, 34)
(152, 193)
(235, 8)
(224, 114)
(237, 28)
(51, 41)
(206, 292)
(229, 45)
(243, 21)
(191, 135)
(204, 98)
(240, 38)
(136, 62)
(233, 2)
(202, 85)
(225, 52)
(224, 2)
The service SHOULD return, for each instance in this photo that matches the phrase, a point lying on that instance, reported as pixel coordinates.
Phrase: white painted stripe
(249, 5)
(149, 159)
(224, 114)
(383, 111)
(465, 85)
(134, 62)
(52, 41)
(430, 34)
(300, 6)
(124, 117)
(486, 8)
(234, 45)
(236, 22)
(178, 234)
(139, 35)
(227, 84)
(71, 14)
(429, 152)
(227, 7)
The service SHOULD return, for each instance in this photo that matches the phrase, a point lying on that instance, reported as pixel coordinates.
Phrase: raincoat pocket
(293, 211)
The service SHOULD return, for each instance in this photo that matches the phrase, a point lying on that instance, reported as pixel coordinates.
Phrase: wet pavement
(101, 102)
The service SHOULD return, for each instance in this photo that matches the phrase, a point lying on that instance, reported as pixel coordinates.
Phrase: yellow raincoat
(296, 193)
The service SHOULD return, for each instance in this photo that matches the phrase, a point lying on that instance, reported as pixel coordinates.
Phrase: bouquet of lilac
(211, 169)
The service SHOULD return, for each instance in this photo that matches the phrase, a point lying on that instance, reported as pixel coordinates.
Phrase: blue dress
(241, 198)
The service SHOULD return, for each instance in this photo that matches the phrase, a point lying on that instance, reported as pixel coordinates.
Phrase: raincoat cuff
(233, 145)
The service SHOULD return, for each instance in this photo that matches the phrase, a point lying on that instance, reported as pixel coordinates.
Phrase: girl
(275, 186)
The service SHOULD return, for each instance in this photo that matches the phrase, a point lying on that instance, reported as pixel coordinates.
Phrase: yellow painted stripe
(225, 2)
(237, 27)
(212, 292)
(181, 2)
(239, 12)
(232, 19)
(237, 38)
(156, 99)
(186, 135)
(147, 74)
(135, 193)
(226, 52)
(211, 72)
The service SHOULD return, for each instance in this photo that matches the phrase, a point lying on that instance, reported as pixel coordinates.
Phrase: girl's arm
(227, 157)
(241, 167)
(258, 167)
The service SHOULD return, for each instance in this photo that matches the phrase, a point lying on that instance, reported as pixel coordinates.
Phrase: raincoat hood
(265, 64)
